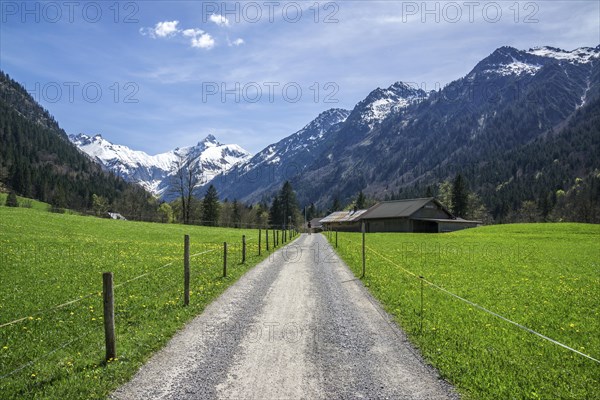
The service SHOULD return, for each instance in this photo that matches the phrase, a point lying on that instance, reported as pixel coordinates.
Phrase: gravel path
(297, 326)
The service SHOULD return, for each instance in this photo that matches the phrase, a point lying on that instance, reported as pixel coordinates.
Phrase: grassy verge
(543, 276)
(48, 259)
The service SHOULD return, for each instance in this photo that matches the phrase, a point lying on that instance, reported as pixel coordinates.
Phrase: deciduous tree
(185, 182)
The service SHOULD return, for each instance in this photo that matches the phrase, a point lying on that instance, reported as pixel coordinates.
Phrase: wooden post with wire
(364, 256)
(186, 270)
(243, 249)
(109, 316)
(259, 240)
(336, 242)
(267, 238)
(224, 259)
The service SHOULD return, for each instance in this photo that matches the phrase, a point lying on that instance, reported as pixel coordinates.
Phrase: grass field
(543, 276)
(48, 259)
(25, 202)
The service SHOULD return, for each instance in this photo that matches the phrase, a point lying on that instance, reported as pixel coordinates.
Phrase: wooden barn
(426, 215)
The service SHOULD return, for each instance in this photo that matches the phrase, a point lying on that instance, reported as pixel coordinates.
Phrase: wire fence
(333, 237)
(142, 301)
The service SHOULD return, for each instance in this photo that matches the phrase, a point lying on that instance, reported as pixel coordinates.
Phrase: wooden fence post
(186, 270)
(109, 316)
(224, 259)
(275, 237)
(267, 238)
(243, 249)
(259, 240)
(364, 258)
(336, 242)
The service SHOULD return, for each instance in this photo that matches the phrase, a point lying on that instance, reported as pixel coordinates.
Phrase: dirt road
(297, 326)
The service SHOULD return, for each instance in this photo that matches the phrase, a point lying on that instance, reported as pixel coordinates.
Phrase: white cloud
(192, 32)
(166, 28)
(204, 41)
(219, 20)
(237, 42)
(199, 38)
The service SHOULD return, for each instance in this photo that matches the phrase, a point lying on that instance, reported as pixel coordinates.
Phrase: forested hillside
(554, 177)
(38, 161)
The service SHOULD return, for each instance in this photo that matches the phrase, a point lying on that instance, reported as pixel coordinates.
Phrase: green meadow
(26, 203)
(545, 277)
(47, 260)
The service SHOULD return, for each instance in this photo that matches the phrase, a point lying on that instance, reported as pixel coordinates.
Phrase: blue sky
(155, 75)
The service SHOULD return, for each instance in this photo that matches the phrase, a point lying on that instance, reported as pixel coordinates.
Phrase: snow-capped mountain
(510, 61)
(332, 129)
(154, 172)
(280, 161)
(381, 103)
(508, 99)
(306, 140)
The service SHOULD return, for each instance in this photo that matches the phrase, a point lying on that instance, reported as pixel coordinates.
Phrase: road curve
(297, 326)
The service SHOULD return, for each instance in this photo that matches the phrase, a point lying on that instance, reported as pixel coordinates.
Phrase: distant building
(412, 215)
(117, 216)
(315, 225)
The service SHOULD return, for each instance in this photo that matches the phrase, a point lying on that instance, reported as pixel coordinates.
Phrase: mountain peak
(82, 139)
(508, 61)
(382, 102)
(210, 139)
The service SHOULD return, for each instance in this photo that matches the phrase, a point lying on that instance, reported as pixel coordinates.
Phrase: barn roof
(334, 216)
(343, 216)
(353, 215)
(400, 208)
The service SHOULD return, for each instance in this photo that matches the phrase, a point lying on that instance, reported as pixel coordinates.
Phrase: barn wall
(424, 226)
(454, 226)
(343, 227)
(389, 225)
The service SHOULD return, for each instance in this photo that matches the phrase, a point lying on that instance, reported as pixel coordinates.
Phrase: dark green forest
(557, 172)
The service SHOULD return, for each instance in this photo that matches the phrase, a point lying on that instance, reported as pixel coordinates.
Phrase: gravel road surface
(297, 326)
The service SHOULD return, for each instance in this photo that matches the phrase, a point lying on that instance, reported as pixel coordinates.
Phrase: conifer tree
(460, 196)
(11, 200)
(361, 201)
(210, 207)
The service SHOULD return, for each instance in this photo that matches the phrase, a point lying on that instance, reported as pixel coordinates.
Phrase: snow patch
(518, 68)
(580, 55)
